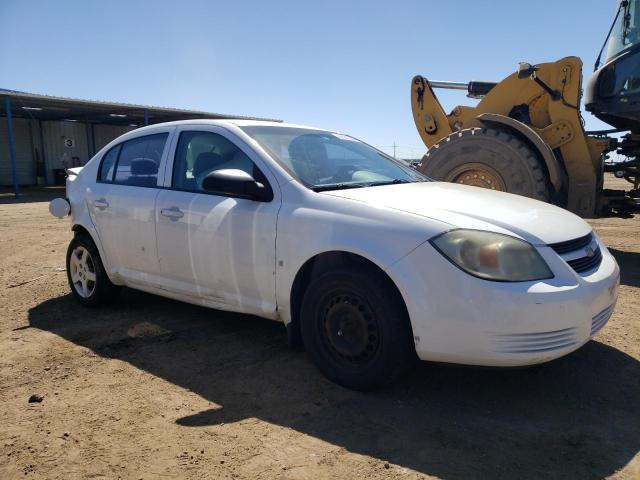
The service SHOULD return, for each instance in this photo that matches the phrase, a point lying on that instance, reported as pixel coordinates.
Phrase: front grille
(601, 319)
(585, 264)
(535, 342)
(591, 258)
(572, 245)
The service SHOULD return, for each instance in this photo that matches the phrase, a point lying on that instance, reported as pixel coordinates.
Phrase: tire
(489, 158)
(356, 329)
(87, 278)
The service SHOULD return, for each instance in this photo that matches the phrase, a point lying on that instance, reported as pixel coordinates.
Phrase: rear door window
(139, 160)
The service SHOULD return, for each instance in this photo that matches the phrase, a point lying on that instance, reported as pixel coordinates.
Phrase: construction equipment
(526, 134)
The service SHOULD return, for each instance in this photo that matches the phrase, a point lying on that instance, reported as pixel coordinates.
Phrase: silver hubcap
(83, 273)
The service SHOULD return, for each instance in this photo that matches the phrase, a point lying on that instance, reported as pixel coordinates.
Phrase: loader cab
(613, 91)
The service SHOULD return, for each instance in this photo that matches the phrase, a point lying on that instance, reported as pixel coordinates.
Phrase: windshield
(626, 29)
(324, 160)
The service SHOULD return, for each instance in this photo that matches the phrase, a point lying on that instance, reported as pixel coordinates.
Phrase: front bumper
(459, 318)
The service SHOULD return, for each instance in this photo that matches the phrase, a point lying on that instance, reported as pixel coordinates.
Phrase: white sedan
(366, 262)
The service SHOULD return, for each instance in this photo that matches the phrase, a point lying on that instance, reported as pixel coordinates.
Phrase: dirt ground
(153, 388)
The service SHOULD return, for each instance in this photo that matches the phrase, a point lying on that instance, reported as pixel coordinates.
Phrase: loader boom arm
(542, 100)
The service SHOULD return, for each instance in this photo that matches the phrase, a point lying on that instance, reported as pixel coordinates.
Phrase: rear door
(122, 204)
(220, 250)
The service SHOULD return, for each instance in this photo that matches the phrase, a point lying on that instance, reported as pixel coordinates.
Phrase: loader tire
(488, 158)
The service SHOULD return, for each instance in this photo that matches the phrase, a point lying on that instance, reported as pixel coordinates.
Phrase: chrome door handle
(100, 203)
(174, 213)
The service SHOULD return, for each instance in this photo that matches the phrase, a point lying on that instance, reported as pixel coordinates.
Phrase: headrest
(144, 166)
(308, 148)
(205, 162)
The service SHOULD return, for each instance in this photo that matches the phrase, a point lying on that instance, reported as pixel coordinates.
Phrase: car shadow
(629, 266)
(577, 417)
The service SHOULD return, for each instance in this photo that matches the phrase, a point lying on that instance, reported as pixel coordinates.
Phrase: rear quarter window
(107, 167)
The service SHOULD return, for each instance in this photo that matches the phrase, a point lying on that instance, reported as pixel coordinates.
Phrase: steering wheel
(343, 174)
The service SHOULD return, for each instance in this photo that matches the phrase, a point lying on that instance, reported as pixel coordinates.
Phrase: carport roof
(47, 107)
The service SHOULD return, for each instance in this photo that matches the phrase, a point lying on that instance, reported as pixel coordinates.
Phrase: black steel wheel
(356, 328)
(349, 327)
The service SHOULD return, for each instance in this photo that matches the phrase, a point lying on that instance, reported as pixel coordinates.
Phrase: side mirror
(237, 183)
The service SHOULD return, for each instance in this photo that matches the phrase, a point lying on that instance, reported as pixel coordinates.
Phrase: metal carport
(45, 134)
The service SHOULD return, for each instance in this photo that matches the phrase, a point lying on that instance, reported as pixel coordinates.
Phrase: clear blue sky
(343, 65)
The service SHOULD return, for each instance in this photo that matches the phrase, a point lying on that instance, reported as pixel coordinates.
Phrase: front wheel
(88, 280)
(356, 328)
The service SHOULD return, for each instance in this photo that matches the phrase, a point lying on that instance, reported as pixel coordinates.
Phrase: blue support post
(12, 145)
(146, 117)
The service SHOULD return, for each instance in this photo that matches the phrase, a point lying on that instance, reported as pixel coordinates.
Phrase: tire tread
(539, 189)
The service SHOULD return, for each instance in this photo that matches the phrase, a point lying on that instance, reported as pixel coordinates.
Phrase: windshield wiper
(621, 8)
(337, 186)
(344, 186)
(389, 182)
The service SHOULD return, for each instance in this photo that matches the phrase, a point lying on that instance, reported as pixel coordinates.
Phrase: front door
(219, 250)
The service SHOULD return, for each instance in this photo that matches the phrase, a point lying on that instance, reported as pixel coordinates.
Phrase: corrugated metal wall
(24, 152)
(103, 134)
(65, 145)
(56, 147)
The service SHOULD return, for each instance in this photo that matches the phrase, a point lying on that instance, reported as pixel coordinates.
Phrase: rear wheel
(356, 329)
(488, 158)
(88, 280)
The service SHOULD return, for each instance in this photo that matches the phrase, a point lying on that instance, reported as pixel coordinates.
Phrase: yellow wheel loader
(526, 135)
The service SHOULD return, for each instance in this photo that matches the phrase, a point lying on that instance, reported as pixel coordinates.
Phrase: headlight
(492, 256)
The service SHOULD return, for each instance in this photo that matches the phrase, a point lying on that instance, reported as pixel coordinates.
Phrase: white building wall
(61, 145)
(65, 146)
(103, 134)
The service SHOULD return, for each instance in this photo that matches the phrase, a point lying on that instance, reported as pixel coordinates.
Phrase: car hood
(476, 208)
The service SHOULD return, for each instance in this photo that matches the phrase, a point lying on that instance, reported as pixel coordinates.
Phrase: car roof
(227, 122)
